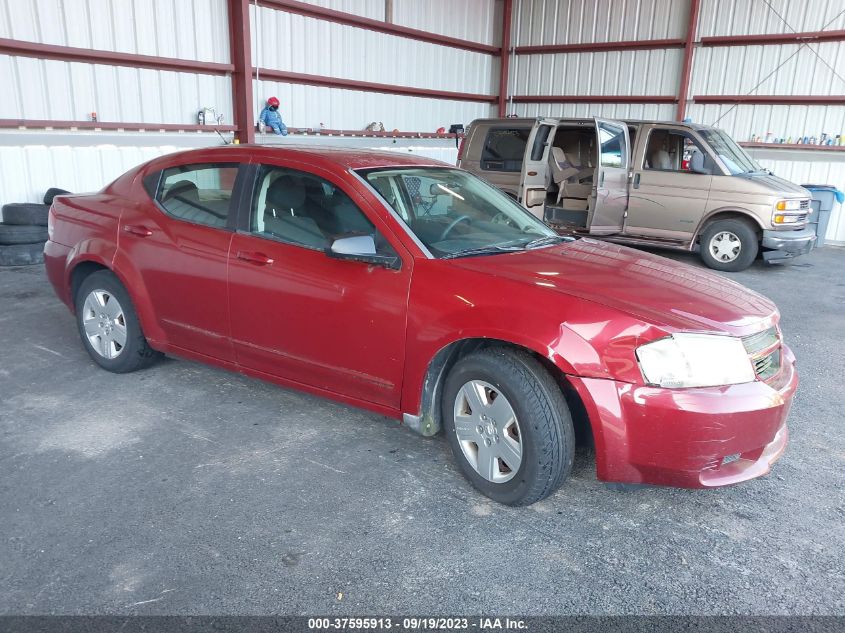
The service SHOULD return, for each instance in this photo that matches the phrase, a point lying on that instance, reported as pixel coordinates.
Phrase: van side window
(674, 150)
(504, 149)
(612, 143)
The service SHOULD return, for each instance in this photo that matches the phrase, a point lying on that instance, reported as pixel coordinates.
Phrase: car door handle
(141, 231)
(636, 181)
(255, 258)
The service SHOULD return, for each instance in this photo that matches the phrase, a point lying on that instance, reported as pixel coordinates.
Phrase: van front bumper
(688, 438)
(787, 244)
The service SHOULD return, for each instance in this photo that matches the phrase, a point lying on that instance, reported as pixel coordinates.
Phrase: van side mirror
(361, 248)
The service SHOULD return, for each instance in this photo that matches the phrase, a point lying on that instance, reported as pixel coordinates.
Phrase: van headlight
(695, 360)
(788, 211)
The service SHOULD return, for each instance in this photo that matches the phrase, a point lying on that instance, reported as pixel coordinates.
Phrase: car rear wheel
(508, 425)
(729, 245)
(109, 326)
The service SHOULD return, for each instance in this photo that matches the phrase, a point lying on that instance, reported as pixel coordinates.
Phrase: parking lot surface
(186, 489)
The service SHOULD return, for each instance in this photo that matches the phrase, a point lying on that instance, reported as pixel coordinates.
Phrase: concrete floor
(184, 489)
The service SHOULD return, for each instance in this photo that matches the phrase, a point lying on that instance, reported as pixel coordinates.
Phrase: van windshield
(732, 155)
(456, 214)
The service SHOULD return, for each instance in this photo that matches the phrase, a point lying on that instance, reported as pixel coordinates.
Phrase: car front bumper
(787, 244)
(689, 438)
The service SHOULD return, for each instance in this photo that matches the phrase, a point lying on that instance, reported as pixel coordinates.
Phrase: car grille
(764, 350)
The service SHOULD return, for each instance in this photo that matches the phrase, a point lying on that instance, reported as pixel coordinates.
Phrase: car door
(607, 215)
(301, 315)
(533, 179)
(670, 185)
(178, 242)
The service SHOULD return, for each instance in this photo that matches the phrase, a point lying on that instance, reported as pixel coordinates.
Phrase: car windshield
(456, 214)
(732, 155)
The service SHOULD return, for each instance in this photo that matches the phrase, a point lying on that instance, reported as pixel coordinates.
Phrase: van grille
(805, 204)
(764, 350)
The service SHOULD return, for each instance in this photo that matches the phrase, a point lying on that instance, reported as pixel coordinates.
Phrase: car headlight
(695, 360)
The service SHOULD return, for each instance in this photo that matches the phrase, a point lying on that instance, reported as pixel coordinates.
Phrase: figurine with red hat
(271, 118)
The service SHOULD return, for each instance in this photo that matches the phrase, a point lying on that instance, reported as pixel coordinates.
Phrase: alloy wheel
(104, 323)
(488, 431)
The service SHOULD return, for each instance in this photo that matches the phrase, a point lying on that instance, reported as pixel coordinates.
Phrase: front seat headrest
(286, 192)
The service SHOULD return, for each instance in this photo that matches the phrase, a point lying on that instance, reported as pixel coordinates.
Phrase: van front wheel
(729, 245)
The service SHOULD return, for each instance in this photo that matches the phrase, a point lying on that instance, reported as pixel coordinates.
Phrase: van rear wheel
(729, 245)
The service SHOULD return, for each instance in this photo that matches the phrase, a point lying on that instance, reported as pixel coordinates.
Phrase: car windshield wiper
(544, 241)
(484, 250)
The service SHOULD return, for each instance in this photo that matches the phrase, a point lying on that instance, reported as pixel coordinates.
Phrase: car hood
(661, 291)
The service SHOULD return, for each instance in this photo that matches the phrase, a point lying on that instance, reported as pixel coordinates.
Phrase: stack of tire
(23, 231)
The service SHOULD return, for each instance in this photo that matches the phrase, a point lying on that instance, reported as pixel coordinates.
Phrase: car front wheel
(108, 325)
(508, 425)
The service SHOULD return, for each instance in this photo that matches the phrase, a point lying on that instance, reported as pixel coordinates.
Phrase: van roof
(531, 120)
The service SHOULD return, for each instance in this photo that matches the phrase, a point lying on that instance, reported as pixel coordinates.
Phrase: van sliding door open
(533, 180)
(611, 197)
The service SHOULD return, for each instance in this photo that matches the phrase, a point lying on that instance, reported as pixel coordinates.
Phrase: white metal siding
(290, 42)
(309, 106)
(471, 20)
(185, 29)
(608, 110)
(749, 17)
(373, 9)
(541, 22)
(49, 89)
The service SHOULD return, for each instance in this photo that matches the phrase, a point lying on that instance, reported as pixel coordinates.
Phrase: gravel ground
(185, 489)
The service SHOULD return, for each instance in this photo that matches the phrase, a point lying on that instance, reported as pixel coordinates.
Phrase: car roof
(344, 157)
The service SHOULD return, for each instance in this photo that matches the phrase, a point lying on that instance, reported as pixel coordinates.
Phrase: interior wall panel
(748, 17)
(743, 121)
(49, 89)
(539, 22)
(586, 110)
(286, 41)
(336, 108)
(638, 72)
(185, 29)
(471, 20)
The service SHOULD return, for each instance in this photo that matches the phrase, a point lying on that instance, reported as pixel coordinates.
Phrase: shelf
(800, 146)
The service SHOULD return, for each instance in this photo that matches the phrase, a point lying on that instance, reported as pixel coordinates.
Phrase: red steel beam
(111, 125)
(240, 47)
(350, 19)
(686, 68)
(350, 84)
(594, 99)
(598, 47)
(504, 57)
(110, 58)
(773, 99)
(806, 37)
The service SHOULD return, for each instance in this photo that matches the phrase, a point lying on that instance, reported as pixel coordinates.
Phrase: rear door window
(201, 194)
(504, 149)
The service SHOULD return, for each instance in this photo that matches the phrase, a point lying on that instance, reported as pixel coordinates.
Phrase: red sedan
(416, 290)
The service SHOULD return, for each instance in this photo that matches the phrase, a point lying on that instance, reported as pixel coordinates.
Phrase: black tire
(52, 192)
(25, 213)
(17, 234)
(22, 254)
(749, 245)
(136, 353)
(545, 425)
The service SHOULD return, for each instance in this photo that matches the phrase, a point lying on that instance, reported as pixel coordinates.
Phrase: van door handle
(140, 231)
(255, 258)
(636, 181)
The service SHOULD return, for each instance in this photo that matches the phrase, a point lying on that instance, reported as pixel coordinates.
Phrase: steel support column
(505, 57)
(241, 57)
(686, 69)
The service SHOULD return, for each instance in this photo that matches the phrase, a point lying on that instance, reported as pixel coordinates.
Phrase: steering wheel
(452, 225)
(502, 218)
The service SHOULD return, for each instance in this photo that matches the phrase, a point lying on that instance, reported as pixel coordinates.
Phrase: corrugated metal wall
(290, 42)
(47, 89)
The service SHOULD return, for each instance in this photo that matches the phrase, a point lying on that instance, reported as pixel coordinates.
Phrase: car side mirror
(361, 248)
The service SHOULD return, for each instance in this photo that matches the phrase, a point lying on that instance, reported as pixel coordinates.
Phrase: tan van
(648, 183)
